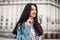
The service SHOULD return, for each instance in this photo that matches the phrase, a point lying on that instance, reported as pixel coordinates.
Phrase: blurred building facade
(48, 14)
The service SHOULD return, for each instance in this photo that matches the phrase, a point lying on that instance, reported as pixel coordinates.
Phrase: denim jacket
(26, 32)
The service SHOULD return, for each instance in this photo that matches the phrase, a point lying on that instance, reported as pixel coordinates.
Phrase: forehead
(33, 7)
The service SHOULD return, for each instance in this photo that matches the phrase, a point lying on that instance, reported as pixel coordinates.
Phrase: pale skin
(32, 15)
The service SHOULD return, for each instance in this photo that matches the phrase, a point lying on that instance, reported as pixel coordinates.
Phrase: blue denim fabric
(26, 32)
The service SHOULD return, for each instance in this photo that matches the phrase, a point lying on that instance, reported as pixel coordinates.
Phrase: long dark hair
(25, 16)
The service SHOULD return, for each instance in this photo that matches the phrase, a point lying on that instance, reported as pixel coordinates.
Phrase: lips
(34, 13)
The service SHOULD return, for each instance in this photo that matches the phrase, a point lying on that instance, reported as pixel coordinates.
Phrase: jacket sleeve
(25, 35)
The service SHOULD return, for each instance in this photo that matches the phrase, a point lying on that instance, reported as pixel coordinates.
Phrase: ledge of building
(25, 2)
(7, 35)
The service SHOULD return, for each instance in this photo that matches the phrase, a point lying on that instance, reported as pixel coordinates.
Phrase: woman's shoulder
(19, 24)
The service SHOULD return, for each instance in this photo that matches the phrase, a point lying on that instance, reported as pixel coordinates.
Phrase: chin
(34, 16)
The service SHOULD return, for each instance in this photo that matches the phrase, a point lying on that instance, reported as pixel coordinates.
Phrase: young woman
(28, 28)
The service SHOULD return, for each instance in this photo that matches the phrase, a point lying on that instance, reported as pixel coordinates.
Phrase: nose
(34, 11)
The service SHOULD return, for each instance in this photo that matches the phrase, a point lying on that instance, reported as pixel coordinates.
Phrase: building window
(1, 19)
(56, 1)
(6, 19)
(6, 23)
(1, 16)
(11, 23)
(59, 2)
(40, 20)
(1, 23)
(6, 27)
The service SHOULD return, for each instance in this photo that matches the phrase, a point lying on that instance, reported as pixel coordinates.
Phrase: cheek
(31, 13)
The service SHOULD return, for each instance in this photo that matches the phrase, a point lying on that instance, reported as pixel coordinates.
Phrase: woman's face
(33, 11)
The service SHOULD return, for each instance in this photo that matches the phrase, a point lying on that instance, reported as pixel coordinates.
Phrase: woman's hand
(30, 21)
